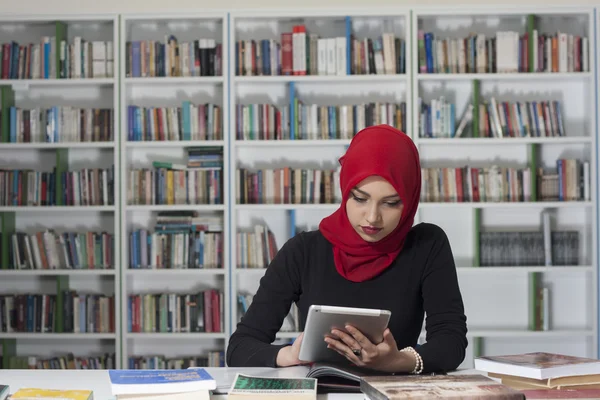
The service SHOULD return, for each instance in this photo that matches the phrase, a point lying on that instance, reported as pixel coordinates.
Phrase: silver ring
(357, 352)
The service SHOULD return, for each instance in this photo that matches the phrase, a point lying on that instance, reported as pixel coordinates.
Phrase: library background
(152, 164)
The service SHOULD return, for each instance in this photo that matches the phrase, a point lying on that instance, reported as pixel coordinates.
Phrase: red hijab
(377, 150)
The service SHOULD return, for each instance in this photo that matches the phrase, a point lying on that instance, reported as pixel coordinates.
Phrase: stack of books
(545, 375)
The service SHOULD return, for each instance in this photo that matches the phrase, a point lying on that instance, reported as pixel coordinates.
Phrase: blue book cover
(159, 380)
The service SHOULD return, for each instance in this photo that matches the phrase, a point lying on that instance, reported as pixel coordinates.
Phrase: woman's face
(374, 208)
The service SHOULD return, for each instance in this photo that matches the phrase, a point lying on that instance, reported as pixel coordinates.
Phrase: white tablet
(322, 319)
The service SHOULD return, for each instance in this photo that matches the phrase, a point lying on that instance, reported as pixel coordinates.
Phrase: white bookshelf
(497, 297)
(318, 87)
(92, 90)
(154, 90)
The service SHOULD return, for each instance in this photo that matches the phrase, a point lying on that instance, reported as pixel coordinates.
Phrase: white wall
(126, 6)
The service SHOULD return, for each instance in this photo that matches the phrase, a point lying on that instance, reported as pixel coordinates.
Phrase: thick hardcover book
(538, 365)
(160, 381)
(464, 387)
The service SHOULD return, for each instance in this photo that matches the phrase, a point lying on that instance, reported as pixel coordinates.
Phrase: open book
(330, 377)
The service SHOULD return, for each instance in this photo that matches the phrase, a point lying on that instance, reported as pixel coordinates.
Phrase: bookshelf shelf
(492, 102)
(275, 207)
(292, 143)
(176, 207)
(322, 78)
(525, 334)
(174, 143)
(521, 76)
(511, 141)
(170, 80)
(502, 205)
(58, 272)
(63, 84)
(525, 269)
(57, 209)
(57, 145)
(190, 101)
(58, 336)
(185, 272)
(74, 100)
(175, 336)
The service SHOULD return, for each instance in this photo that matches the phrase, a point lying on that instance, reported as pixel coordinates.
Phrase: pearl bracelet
(419, 366)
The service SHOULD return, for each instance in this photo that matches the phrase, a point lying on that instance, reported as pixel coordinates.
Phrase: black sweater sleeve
(442, 301)
(250, 345)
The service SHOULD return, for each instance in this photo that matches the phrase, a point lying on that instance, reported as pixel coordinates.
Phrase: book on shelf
(314, 121)
(301, 52)
(173, 58)
(59, 124)
(544, 247)
(570, 181)
(504, 51)
(189, 122)
(84, 187)
(199, 182)
(50, 250)
(538, 365)
(176, 312)
(66, 312)
(287, 185)
(210, 359)
(255, 248)
(180, 240)
(80, 58)
(496, 119)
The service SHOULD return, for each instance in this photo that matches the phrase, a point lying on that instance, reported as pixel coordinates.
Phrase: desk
(99, 382)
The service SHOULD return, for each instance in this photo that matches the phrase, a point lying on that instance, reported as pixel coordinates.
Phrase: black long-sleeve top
(422, 280)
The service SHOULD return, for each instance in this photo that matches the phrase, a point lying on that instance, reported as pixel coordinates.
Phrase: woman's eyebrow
(391, 196)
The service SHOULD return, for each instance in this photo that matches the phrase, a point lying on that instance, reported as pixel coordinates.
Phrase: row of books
(85, 187)
(176, 312)
(503, 52)
(154, 58)
(255, 249)
(174, 186)
(67, 312)
(497, 119)
(528, 248)
(49, 249)
(303, 53)
(80, 58)
(313, 121)
(188, 122)
(570, 181)
(287, 185)
(59, 124)
(67, 361)
(211, 359)
(180, 248)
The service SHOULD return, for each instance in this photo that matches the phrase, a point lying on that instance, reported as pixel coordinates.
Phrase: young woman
(366, 254)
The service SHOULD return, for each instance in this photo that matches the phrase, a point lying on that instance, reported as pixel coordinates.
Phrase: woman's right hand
(288, 355)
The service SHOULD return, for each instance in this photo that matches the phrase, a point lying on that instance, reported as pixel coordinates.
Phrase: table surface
(98, 380)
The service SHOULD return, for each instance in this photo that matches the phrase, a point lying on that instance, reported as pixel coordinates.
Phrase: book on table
(176, 384)
(539, 365)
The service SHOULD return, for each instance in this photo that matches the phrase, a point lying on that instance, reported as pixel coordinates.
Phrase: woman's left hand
(359, 350)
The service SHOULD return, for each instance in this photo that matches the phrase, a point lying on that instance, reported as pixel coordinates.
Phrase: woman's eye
(393, 203)
(358, 199)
